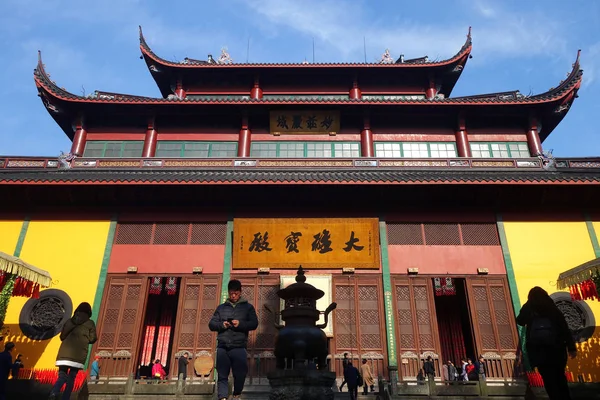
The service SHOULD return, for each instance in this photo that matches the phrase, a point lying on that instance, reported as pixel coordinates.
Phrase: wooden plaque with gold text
(304, 122)
(332, 243)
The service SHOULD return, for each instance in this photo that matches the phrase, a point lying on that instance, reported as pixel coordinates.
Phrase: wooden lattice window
(171, 233)
(442, 234)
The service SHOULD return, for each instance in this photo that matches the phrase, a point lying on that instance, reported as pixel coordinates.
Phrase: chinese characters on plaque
(305, 122)
(313, 243)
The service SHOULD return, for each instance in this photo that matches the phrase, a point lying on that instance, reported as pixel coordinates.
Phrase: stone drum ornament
(300, 345)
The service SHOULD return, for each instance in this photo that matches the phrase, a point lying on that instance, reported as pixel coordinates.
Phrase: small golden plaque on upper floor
(304, 122)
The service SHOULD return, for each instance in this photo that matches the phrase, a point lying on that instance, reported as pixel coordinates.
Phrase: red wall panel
(176, 259)
(442, 260)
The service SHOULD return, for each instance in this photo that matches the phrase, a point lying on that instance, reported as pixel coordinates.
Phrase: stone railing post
(483, 389)
(180, 384)
(129, 385)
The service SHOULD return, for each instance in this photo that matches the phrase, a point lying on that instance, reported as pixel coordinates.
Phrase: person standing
(429, 368)
(481, 368)
(452, 374)
(548, 341)
(5, 367)
(233, 320)
(76, 336)
(352, 378)
(182, 365)
(17, 366)
(345, 362)
(95, 370)
(368, 379)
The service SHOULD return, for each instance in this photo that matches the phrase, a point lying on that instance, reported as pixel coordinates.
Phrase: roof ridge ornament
(386, 58)
(224, 58)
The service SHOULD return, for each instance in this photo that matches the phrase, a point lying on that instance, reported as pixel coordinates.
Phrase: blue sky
(87, 46)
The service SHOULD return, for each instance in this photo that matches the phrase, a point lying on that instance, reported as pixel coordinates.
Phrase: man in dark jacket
(352, 378)
(232, 320)
(5, 366)
(548, 341)
(182, 365)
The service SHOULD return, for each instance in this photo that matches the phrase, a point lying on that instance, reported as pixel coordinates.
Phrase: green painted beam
(512, 284)
(390, 321)
(110, 238)
(227, 260)
(21, 239)
(592, 232)
(7, 290)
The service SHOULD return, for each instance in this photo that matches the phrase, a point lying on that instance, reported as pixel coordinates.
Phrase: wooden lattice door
(261, 291)
(198, 299)
(359, 322)
(417, 325)
(120, 321)
(494, 324)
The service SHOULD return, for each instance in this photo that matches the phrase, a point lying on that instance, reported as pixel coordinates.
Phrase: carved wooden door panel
(416, 331)
(261, 291)
(359, 322)
(120, 321)
(198, 299)
(494, 324)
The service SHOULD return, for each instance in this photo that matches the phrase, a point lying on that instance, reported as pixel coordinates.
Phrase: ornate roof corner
(142, 40)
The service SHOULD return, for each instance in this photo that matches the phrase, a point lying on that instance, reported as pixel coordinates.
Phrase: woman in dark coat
(76, 336)
(548, 340)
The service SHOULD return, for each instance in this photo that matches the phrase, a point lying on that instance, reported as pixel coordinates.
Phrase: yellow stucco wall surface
(540, 251)
(9, 235)
(72, 252)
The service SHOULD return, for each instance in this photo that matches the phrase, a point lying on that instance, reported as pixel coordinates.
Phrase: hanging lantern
(437, 285)
(449, 289)
(171, 286)
(156, 285)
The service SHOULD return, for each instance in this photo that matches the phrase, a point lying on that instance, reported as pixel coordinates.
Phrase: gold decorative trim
(25, 164)
(503, 164)
(197, 163)
(283, 163)
(118, 163)
(409, 163)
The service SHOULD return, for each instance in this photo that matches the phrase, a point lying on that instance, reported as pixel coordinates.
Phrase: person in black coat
(233, 320)
(548, 340)
(352, 378)
(182, 366)
(6, 364)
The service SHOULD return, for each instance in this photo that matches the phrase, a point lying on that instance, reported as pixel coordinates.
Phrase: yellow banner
(332, 243)
(305, 122)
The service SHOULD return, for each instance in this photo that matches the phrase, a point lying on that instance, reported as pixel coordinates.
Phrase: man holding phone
(232, 320)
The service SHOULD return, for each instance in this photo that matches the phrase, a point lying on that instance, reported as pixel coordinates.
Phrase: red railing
(49, 376)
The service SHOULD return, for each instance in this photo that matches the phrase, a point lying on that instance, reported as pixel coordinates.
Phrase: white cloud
(343, 26)
(590, 61)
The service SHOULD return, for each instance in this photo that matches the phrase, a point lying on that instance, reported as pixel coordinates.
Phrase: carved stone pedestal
(301, 384)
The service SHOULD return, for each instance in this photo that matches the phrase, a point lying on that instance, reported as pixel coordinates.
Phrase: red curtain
(450, 329)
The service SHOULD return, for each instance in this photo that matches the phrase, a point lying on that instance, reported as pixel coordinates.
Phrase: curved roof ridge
(566, 90)
(573, 80)
(146, 50)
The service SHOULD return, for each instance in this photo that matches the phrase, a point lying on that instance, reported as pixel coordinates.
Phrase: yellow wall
(72, 252)
(9, 235)
(540, 251)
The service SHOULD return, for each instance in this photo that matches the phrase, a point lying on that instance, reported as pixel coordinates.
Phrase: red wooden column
(179, 91)
(431, 92)
(256, 92)
(366, 139)
(355, 92)
(150, 141)
(463, 148)
(79, 139)
(244, 139)
(533, 138)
